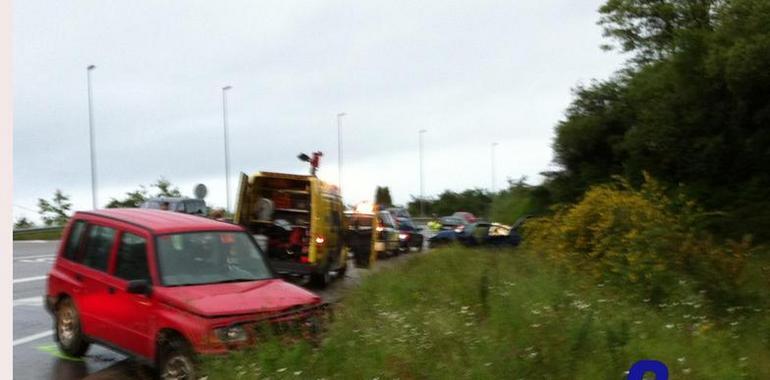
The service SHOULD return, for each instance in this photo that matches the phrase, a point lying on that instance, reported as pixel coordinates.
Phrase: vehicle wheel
(69, 335)
(344, 269)
(321, 280)
(177, 361)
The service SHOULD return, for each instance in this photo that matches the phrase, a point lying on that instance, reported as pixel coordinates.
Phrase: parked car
(386, 241)
(451, 222)
(409, 235)
(399, 212)
(480, 233)
(178, 204)
(166, 287)
(466, 216)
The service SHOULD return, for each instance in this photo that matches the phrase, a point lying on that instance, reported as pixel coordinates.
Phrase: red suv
(164, 287)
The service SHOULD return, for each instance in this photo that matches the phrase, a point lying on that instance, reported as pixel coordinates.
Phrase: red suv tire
(69, 335)
(177, 361)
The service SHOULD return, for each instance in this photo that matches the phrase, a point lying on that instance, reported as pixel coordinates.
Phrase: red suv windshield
(197, 258)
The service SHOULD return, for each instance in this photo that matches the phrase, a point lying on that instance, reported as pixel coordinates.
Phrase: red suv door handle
(78, 277)
(111, 290)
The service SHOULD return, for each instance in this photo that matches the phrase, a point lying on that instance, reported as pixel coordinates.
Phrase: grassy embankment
(463, 313)
(54, 234)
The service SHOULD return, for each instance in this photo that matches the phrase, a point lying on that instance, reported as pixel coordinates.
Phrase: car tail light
(304, 259)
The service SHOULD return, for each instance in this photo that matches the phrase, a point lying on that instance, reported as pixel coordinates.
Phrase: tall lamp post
(94, 202)
(339, 151)
(422, 189)
(227, 146)
(494, 144)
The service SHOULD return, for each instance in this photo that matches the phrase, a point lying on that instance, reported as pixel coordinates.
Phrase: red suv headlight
(231, 334)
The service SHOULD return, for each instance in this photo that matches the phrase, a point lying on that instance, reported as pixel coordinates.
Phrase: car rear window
(131, 263)
(451, 220)
(195, 207)
(98, 245)
(386, 220)
(360, 222)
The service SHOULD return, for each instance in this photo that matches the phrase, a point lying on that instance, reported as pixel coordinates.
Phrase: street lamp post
(494, 144)
(227, 146)
(94, 201)
(339, 151)
(422, 189)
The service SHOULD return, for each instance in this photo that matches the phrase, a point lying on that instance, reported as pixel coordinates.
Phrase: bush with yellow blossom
(642, 238)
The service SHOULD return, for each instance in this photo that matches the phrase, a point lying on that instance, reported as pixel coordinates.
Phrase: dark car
(466, 216)
(399, 212)
(451, 228)
(478, 234)
(409, 235)
(451, 222)
(178, 204)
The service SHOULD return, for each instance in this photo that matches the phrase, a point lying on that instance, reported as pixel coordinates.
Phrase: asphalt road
(35, 355)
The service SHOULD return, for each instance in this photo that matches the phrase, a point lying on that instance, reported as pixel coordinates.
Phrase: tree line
(57, 210)
(691, 107)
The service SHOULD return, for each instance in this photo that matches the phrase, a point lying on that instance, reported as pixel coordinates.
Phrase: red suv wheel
(69, 335)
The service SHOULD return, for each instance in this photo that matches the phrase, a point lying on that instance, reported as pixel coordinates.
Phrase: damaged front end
(300, 323)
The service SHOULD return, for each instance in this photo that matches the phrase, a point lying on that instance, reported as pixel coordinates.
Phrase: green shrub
(640, 238)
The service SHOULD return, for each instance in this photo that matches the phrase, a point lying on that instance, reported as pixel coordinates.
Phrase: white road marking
(29, 279)
(31, 301)
(33, 257)
(41, 260)
(32, 337)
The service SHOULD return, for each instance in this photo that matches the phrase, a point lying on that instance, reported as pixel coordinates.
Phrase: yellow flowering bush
(637, 237)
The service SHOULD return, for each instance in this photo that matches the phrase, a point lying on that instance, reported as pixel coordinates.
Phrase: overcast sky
(470, 73)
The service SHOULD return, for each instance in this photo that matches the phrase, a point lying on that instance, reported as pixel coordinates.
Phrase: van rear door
(360, 239)
(243, 204)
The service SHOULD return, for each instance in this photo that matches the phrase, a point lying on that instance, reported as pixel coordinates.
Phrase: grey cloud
(470, 72)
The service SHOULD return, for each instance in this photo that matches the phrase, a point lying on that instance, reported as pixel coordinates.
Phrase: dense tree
(692, 108)
(382, 197)
(652, 29)
(133, 199)
(166, 189)
(56, 211)
(476, 201)
(136, 197)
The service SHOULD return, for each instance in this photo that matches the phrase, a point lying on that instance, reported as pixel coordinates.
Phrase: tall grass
(509, 314)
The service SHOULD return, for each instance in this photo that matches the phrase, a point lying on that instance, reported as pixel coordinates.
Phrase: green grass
(478, 314)
(38, 235)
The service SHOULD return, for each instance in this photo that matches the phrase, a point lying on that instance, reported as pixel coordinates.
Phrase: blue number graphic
(641, 367)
